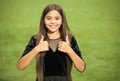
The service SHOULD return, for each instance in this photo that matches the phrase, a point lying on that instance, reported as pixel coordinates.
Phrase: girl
(54, 47)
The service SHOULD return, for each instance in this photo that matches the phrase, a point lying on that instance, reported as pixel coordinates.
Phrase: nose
(53, 21)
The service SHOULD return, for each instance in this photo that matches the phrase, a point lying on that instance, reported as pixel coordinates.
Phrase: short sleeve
(75, 47)
(31, 44)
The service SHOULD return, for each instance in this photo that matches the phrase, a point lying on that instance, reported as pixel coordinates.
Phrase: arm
(26, 60)
(77, 61)
(73, 52)
(32, 52)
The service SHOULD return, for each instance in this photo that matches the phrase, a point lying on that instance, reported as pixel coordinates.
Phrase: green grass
(95, 24)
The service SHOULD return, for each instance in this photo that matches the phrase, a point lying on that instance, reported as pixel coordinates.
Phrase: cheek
(59, 22)
(46, 22)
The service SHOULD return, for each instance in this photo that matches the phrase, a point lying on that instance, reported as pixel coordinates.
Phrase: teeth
(52, 26)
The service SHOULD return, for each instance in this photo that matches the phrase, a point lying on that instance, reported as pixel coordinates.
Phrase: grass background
(95, 24)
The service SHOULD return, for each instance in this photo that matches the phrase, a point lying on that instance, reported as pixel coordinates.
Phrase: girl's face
(53, 21)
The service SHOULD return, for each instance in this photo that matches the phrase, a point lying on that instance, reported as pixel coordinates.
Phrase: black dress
(55, 66)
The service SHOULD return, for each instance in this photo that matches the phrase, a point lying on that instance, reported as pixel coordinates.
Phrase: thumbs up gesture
(42, 45)
(64, 46)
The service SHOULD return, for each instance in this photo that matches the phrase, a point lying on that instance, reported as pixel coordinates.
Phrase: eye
(57, 18)
(48, 18)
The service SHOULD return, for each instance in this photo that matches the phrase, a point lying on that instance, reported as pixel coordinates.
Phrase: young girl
(54, 47)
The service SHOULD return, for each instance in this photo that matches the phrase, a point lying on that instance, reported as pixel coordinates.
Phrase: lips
(52, 26)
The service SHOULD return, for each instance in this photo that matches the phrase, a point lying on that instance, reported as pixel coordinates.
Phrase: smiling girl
(54, 47)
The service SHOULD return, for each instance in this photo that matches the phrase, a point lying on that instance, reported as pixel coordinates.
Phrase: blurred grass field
(95, 24)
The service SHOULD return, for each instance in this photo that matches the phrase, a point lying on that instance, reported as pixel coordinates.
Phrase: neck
(54, 35)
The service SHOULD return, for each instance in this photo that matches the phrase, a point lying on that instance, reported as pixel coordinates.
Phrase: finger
(60, 43)
(42, 38)
(59, 46)
(59, 49)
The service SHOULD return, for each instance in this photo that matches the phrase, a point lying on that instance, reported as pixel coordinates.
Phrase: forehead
(53, 13)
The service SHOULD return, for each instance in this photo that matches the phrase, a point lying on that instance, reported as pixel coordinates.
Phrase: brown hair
(64, 30)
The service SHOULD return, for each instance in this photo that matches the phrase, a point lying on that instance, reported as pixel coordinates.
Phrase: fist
(42, 45)
(64, 46)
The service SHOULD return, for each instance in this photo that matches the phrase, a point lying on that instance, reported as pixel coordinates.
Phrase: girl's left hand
(64, 46)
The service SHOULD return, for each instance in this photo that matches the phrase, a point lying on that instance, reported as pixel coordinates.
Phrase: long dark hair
(64, 31)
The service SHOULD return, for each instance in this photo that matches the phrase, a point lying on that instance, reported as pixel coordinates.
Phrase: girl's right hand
(42, 46)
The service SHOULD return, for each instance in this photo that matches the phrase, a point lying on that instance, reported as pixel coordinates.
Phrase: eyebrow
(54, 16)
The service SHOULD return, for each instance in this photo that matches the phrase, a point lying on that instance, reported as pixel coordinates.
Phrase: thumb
(42, 38)
(67, 39)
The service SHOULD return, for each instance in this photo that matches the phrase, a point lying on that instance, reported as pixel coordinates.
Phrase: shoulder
(73, 41)
(34, 37)
(33, 40)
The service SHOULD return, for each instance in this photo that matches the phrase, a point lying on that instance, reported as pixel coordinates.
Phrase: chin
(52, 31)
